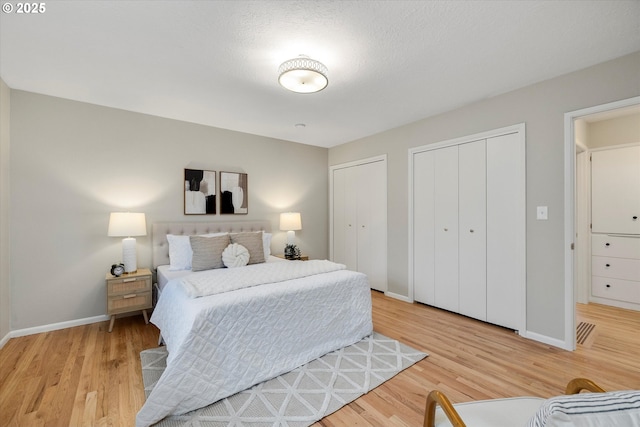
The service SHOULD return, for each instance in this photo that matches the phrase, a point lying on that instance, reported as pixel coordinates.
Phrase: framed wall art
(233, 193)
(199, 192)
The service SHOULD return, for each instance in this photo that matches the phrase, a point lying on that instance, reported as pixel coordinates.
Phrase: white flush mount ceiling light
(303, 75)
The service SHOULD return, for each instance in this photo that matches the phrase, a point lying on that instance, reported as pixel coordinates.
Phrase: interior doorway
(577, 220)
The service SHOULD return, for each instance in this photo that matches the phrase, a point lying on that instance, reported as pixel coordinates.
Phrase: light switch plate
(541, 213)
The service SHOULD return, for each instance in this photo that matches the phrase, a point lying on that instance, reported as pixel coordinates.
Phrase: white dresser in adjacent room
(615, 269)
(615, 216)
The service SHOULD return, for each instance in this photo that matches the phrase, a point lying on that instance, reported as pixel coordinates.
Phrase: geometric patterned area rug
(300, 397)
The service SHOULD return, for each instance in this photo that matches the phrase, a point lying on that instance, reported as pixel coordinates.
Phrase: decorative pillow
(235, 255)
(207, 251)
(266, 244)
(179, 252)
(253, 243)
(614, 408)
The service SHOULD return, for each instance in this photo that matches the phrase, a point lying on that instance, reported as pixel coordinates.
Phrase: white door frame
(569, 210)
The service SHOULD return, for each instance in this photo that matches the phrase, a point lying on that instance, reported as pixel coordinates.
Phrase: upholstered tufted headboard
(159, 231)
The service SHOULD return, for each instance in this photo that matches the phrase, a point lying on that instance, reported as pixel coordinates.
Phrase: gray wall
(5, 270)
(73, 163)
(541, 106)
(616, 131)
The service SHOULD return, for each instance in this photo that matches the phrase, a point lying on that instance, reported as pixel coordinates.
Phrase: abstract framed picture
(199, 192)
(233, 193)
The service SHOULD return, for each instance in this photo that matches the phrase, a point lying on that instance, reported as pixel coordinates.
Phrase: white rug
(301, 397)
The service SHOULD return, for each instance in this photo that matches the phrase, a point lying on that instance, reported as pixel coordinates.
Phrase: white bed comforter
(221, 280)
(225, 343)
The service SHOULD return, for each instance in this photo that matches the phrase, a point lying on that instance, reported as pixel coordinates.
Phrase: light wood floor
(85, 376)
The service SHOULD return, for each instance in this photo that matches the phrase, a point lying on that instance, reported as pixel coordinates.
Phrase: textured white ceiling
(390, 62)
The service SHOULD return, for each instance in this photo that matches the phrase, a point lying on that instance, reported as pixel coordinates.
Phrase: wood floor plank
(85, 376)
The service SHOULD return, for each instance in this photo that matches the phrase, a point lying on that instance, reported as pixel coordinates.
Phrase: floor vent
(582, 331)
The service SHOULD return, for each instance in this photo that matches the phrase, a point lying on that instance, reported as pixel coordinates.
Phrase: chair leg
(437, 398)
(576, 385)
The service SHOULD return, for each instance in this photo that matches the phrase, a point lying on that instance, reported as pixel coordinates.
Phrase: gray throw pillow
(253, 243)
(207, 252)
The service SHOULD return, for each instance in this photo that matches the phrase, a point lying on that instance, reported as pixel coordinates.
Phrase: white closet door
(446, 228)
(423, 228)
(344, 218)
(505, 229)
(472, 222)
(371, 196)
(615, 190)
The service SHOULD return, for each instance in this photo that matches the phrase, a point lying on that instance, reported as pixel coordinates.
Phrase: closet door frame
(522, 276)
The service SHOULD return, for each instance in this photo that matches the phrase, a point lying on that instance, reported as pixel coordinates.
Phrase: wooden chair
(495, 412)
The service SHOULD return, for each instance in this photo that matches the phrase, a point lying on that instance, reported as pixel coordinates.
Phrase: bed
(223, 343)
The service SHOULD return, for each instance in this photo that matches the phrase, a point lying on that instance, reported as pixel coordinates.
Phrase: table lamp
(127, 225)
(290, 222)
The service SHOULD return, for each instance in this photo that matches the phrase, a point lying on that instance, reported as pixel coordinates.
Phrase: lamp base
(129, 257)
(291, 237)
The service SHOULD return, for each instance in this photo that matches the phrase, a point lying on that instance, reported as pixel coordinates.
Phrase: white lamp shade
(290, 221)
(127, 224)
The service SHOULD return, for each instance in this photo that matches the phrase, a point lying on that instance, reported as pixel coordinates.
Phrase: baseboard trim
(56, 326)
(5, 340)
(397, 296)
(547, 340)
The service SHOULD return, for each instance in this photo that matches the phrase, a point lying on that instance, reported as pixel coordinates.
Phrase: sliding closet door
(473, 235)
(505, 229)
(467, 230)
(371, 222)
(344, 218)
(359, 218)
(446, 227)
(423, 228)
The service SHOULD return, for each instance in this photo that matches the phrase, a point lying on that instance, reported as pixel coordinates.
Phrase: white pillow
(235, 255)
(266, 244)
(180, 253)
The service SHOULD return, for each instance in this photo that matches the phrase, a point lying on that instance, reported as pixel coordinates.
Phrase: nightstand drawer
(130, 285)
(129, 302)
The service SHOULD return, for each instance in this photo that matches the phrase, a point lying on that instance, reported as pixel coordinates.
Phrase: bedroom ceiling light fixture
(303, 75)
(127, 225)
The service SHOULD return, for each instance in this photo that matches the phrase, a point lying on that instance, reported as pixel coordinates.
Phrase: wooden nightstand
(302, 257)
(127, 293)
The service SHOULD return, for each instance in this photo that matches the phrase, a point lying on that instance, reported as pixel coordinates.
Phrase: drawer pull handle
(608, 285)
(635, 217)
(129, 296)
(607, 265)
(129, 280)
(471, 231)
(607, 244)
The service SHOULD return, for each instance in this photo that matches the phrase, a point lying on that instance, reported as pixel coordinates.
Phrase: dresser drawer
(615, 246)
(129, 285)
(616, 289)
(129, 302)
(616, 268)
